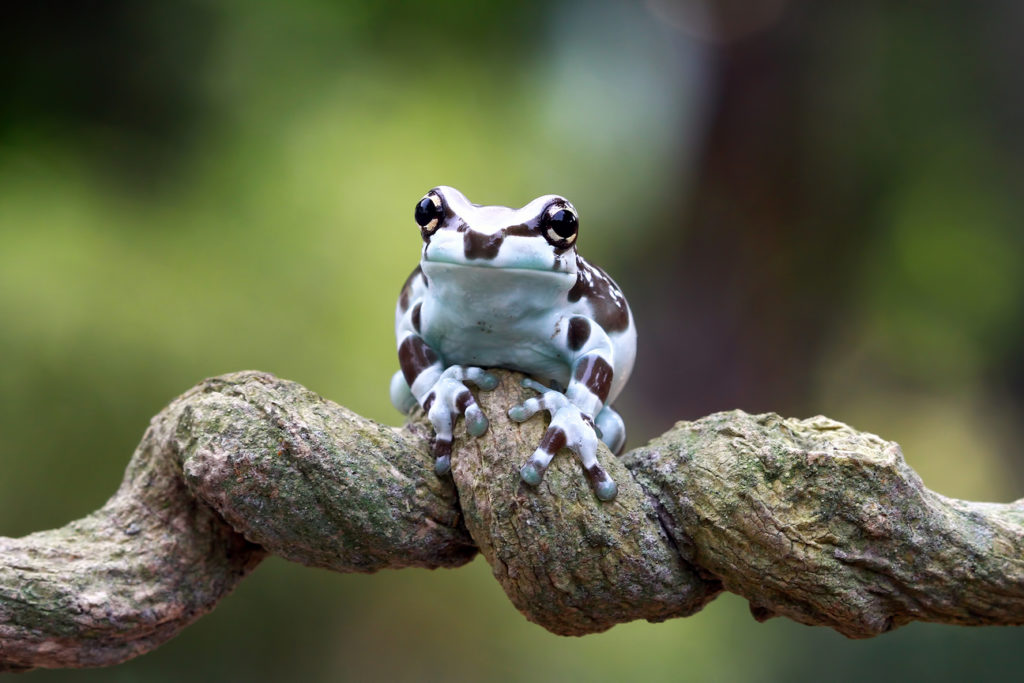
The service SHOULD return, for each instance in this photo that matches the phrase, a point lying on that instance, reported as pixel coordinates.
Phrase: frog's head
(539, 237)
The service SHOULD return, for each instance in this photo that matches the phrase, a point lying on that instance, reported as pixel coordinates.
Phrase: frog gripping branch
(807, 519)
(502, 287)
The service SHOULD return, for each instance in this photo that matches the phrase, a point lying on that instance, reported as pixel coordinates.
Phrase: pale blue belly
(490, 341)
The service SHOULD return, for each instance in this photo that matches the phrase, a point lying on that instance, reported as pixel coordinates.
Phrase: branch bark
(808, 519)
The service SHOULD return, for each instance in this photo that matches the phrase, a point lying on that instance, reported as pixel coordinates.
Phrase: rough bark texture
(818, 522)
(567, 561)
(315, 483)
(236, 467)
(124, 579)
(805, 518)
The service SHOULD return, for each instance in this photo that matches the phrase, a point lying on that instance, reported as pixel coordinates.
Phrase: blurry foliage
(822, 216)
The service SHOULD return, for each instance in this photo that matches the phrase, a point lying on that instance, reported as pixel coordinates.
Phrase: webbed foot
(570, 428)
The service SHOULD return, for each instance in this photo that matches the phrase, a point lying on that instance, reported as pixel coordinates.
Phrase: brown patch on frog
(597, 474)
(596, 375)
(521, 230)
(554, 440)
(579, 332)
(414, 356)
(462, 401)
(428, 401)
(477, 245)
(403, 298)
(442, 447)
(605, 298)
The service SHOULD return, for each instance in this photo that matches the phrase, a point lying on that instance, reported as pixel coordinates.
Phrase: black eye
(560, 225)
(429, 212)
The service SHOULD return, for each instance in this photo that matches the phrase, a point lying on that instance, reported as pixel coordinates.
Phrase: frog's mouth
(499, 251)
(491, 265)
(454, 266)
(523, 282)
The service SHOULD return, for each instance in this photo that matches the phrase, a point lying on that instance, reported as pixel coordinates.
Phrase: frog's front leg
(442, 394)
(572, 417)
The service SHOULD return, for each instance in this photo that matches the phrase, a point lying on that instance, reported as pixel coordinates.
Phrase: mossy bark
(808, 519)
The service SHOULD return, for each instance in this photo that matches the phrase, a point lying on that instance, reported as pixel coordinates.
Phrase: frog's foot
(449, 398)
(611, 429)
(569, 428)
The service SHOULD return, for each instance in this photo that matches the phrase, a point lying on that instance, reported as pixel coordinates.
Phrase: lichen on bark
(808, 519)
(816, 521)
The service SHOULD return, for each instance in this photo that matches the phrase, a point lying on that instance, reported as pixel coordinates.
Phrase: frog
(501, 287)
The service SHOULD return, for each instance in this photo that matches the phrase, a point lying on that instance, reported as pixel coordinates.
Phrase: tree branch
(808, 519)
(235, 468)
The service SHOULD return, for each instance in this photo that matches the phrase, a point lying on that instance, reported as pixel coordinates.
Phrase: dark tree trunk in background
(762, 263)
(811, 133)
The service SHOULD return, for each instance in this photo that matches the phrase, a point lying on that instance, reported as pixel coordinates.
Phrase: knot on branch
(568, 561)
(805, 518)
(313, 482)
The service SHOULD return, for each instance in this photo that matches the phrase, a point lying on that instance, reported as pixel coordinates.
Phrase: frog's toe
(442, 455)
(486, 381)
(476, 421)
(524, 411)
(477, 376)
(607, 490)
(533, 471)
(464, 404)
(535, 385)
(531, 474)
(551, 401)
(443, 465)
(604, 487)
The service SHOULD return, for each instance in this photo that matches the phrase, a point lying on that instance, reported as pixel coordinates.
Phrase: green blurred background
(813, 208)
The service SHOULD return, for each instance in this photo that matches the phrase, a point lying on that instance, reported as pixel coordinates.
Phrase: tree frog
(504, 287)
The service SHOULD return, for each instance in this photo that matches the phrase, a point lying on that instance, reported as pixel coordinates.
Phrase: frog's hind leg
(613, 429)
(401, 396)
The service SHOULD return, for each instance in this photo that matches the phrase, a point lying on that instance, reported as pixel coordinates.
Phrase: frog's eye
(560, 225)
(429, 212)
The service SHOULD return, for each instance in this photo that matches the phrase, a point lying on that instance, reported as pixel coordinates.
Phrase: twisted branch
(807, 519)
